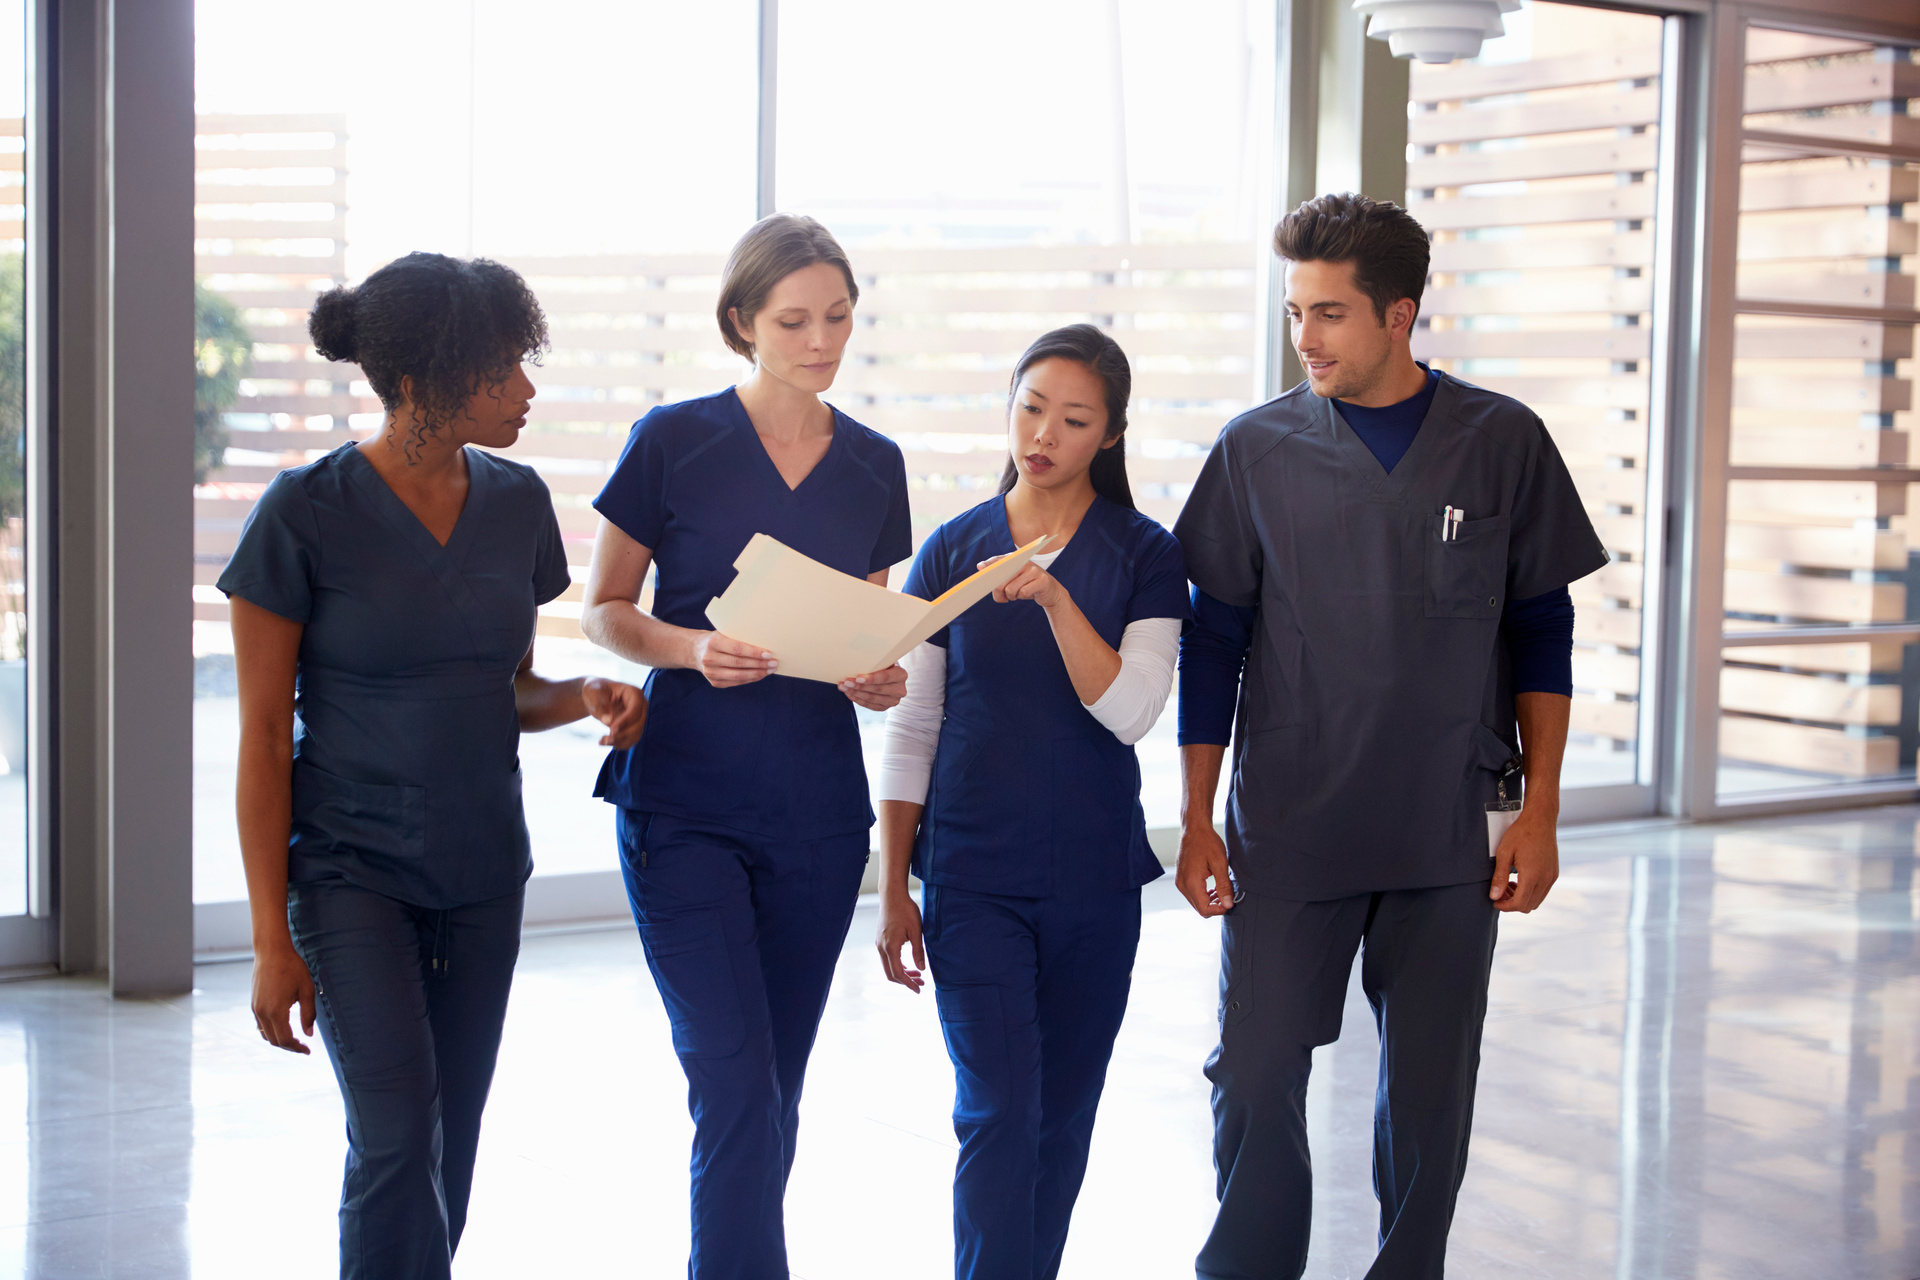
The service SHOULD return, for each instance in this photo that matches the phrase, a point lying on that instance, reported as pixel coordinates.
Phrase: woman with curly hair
(383, 605)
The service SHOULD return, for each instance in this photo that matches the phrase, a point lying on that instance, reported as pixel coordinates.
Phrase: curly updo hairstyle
(453, 326)
(1101, 356)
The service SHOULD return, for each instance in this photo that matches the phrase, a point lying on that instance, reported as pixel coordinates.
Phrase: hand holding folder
(825, 625)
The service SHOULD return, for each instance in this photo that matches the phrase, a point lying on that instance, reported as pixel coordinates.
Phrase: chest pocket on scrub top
(1467, 573)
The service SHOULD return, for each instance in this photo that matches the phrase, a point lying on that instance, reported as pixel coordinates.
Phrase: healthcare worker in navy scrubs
(1386, 551)
(383, 616)
(744, 816)
(1011, 781)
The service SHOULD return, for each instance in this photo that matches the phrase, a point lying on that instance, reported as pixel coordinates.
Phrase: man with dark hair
(1385, 550)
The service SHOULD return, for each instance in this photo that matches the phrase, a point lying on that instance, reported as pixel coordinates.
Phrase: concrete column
(1296, 151)
(766, 168)
(149, 483)
(73, 237)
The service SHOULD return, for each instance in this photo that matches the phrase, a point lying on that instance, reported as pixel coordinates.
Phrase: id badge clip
(1505, 808)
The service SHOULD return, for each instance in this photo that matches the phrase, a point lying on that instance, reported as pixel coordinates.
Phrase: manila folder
(822, 624)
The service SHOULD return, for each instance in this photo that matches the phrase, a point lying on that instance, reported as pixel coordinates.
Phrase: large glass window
(1101, 165)
(1820, 522)
(606, 150)
(16, 878)
(1535, 168)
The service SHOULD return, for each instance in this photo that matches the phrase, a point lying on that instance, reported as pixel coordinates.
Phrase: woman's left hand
(620, 707)
(877, 690)
(1031, 583)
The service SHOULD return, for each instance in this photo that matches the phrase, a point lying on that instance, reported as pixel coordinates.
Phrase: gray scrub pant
(1427, 957)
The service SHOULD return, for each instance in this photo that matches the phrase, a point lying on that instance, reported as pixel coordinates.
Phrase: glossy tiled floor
(1700, 1062)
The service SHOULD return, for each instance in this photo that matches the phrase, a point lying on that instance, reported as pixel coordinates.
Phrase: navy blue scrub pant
(741, 933)
(411, 1003)
(1031, 993)
(1428, 955)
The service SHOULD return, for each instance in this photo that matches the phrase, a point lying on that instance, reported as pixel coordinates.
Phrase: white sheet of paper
(826, 625)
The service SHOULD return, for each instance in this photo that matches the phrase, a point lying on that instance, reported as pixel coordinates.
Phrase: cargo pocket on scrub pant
(1236, 969)
(976, 1032)
(693, 968)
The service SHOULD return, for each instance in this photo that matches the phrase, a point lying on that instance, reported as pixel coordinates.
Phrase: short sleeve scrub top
(779, 757)
(1030, 795)
(1032, 849)
(406, 772)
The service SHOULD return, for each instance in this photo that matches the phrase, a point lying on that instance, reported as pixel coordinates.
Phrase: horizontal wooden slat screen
(1537, 180)
(13, 210)
(271, 197)
(939, 330)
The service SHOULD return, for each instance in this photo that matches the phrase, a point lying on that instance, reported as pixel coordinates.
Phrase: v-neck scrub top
(781, 756)
(406, 769)
(1377, 709)
(1031, 795)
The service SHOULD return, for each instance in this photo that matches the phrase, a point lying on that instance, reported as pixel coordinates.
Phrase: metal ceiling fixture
(1434, 30)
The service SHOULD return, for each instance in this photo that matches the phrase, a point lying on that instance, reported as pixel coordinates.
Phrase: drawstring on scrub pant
(439, 955)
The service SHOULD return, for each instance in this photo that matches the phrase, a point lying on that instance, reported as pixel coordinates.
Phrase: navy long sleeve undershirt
(1213, 653)
(1388, 432)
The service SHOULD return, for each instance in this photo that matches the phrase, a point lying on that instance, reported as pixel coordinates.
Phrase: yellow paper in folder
(826, 625)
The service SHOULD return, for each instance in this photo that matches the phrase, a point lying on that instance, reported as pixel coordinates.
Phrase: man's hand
(1203, 857)
(1531, 852)
(1531, 846)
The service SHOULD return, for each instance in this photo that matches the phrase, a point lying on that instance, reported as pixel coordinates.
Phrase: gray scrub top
(406, 769)
(1377, 709)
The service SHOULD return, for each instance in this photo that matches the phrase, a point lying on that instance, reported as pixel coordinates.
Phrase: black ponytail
(1101, 355)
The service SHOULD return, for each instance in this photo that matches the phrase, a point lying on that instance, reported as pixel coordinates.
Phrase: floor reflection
(1700, 1062)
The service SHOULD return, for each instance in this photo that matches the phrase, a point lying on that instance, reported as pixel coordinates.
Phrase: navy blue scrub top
(779, 757)
(1031, 795)
(1377, 710)
(406, 768)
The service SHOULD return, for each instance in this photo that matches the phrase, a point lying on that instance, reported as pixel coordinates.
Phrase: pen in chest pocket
(1450, 523)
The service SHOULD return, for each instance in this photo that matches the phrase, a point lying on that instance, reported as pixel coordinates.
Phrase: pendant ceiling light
(1434, 30)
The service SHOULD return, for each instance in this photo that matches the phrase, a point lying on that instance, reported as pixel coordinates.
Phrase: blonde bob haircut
(773, 249)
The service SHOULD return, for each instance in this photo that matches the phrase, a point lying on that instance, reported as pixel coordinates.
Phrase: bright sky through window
(610, 126)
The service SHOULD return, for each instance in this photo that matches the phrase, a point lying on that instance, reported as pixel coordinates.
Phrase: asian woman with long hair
(1010, 787)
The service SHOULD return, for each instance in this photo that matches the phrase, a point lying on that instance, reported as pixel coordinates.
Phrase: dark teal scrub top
(406, 770)
(1030, 795)
(779, 757)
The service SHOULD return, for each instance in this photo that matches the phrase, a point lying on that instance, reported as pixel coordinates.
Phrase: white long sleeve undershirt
(1129, 707)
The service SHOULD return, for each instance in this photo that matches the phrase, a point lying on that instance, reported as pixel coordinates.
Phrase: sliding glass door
(1818, 688)
(26, 899)
(1538, 169)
